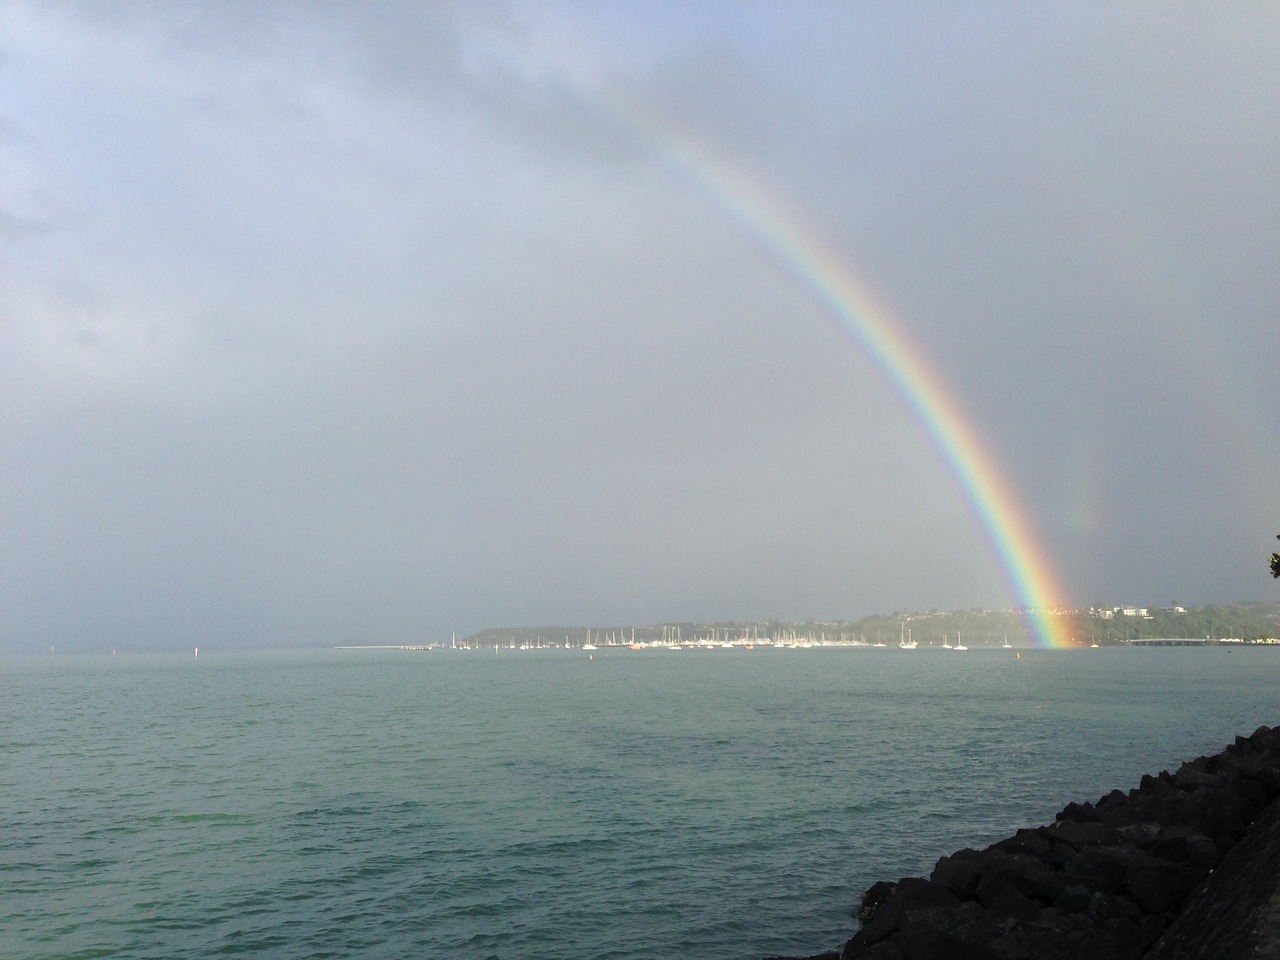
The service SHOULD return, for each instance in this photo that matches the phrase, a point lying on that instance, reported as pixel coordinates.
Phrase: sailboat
(959, 645)
(905, 643)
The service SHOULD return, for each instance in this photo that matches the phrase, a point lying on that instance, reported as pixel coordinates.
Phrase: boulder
(1158, 872)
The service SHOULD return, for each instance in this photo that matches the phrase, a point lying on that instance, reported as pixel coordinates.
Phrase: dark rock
(1082, 812)
(1102, 869)
(1235, 913)
(1250, 790)
(1155, 786)
(1073, 898)
(1158, 885)
(1054, 936)
(1270, 781)
(1217, 813)
(1081, 835)
(1027, 875)
(1188, 778)
(967, 929)
(1185, 866)
(1036, 843)
(1107, 906)
(1010, 902)
(959, 874)
(1150, 928)
(1122, 938)
(1059, 853)
(1180, 845)
(943, 946)
(1114, 799)
(873, 899)
(885, 950)
(1141, 834)
(910, 896)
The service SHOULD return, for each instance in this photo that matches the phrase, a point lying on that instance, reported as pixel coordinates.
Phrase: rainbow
(803, 255)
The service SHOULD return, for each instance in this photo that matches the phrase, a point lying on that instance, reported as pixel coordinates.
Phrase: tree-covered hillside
(975, 627)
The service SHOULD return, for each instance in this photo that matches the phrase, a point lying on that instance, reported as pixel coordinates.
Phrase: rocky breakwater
(1187, 865)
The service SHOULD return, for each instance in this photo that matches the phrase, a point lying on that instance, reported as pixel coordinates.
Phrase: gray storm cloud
(332, 321)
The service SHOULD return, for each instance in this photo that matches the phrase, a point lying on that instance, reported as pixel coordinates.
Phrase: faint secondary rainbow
(802, 254)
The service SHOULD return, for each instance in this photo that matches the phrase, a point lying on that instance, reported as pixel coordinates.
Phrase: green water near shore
(390, 804)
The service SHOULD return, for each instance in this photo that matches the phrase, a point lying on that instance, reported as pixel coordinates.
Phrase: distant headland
(975, 628)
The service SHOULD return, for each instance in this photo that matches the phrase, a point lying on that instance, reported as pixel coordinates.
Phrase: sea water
(548, 804)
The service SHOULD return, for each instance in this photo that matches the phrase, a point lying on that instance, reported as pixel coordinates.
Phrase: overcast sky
(344, 321)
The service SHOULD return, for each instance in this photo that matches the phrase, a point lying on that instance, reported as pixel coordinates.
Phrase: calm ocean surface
(540, 805)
